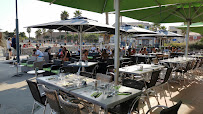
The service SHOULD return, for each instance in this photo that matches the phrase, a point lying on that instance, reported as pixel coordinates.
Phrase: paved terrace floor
(15, 96)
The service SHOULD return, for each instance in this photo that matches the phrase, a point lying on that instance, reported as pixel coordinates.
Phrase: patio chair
(164, 81)
(130, 106)
(103, 77)
(102, 67)
(57, 62)
(38, 64)
(53, 100)
(72, 108)
(124, 64)
(66, 63)
(38, 98)
(110, 61)
(171, 110)
(110, 71)
(87, 74)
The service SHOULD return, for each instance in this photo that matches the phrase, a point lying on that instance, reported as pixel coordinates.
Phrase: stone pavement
(15, 96)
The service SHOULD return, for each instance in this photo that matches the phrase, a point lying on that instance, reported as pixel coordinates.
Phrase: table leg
(83, 69)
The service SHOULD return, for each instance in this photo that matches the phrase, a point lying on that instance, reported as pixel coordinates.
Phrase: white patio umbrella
(79, 25)
(131, 30)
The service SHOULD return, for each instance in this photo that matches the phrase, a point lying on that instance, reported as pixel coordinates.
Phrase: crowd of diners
(107, 52)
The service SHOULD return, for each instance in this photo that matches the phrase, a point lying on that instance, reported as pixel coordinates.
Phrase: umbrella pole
(17, 35)
(116, 58)
(187, 38)
(80, 35)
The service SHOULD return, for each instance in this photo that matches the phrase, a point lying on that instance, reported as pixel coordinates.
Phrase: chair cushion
(30, 65)
(55, 71)
(47, 69)
(23, 64)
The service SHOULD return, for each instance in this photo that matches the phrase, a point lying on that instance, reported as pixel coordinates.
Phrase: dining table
(137, 70)
(73, 84)
(83, 64)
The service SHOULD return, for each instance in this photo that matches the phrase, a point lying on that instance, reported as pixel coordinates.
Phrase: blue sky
(31, 12)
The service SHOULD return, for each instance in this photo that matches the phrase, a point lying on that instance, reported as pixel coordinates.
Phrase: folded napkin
(96, 94)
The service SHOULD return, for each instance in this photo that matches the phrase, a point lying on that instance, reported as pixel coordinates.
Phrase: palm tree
(64, 15)
(38, 33)
(29, 31)
(141, 26)
(155, 27)
(43, 32)
(78, 13)
(51, 32)
(162, 27)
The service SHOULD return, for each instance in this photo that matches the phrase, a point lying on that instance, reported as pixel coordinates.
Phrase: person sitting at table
(65, 54)
(61, 47)
(129, 52)
(173, 49)
(144, 52)
(84, 56)
(141, 50)
(133, 51)
(37, 53)
(166, 50)
(98, 51)
(104, 54)
(93, 49)
(48, 50)
(153, 50)
(179, 49)
(112, 54)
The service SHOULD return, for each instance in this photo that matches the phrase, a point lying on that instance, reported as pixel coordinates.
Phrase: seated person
(144, 52)
(133, 51)
(84, 56)
(65, 54)
(37, 53)
(93, 49)
(153, 50)
(166, 50)
(49, 52)
(104, 55)
(179, 49)
(129, 52)
(141, 50)
(112, 54)
(173, 49)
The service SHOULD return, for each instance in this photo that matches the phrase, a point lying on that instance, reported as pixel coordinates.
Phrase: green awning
(168, 14)
(195, 27)
(101, 6)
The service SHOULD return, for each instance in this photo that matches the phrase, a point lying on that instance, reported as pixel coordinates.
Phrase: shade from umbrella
(79, 25)
(195, 27)
(188, 12)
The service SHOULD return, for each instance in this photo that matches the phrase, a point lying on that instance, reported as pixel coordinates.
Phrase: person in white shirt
(37, 52)
(9, 46)
(93, 49)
